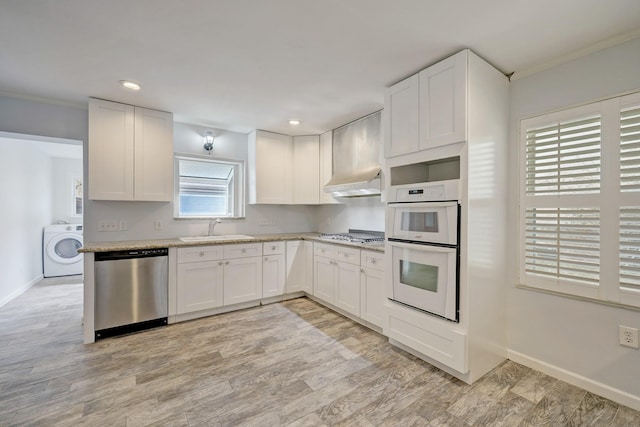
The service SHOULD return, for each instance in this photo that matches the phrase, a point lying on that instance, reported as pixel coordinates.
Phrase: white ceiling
(245, 64)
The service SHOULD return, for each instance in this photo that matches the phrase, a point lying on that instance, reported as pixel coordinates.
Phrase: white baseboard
(20, 290)
(618, 396)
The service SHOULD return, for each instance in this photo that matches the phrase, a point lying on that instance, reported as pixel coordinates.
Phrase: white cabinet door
(324, 275)
(111, 150)
(347, 288)
(199, 286)
(299, 266)
(401, 117)
(372, 296)
(153, 155)
(306, 170)
(242, 280)
(443, 102)
(273, 275)
(270, 168)
(130, 152)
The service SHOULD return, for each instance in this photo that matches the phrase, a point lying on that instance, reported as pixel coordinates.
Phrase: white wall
(64, 170)
(561, 333)
(25, 191)
(364, 213)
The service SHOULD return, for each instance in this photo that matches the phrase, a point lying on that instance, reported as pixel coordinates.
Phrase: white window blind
(563, 243)
(630, 249)
(564, 158)
(580, 201)
(208, 187)
(630, 149)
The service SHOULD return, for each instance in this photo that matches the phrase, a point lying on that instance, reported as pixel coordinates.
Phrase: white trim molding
(15, 294)
(618, 396)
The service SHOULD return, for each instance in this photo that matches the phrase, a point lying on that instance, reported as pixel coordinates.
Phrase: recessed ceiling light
(130, 85)
(294, 122)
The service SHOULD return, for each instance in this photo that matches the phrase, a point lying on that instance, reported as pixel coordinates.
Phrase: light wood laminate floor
(294, 363)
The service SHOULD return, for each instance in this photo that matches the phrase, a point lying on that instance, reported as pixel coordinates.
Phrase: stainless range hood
(356, 158)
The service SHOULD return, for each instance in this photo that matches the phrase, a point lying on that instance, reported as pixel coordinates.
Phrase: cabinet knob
(227, 263)
(273, 248)
(373, 260)
(361, 270)
(266, 258)
(244, 250)
(221, 263)
(201, 253)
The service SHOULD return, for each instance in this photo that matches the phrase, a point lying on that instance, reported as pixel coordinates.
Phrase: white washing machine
(60, 246)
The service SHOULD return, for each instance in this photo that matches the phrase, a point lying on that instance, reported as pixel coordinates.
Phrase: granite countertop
(169, 243)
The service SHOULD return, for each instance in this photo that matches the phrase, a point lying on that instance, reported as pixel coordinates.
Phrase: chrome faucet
(212, 225)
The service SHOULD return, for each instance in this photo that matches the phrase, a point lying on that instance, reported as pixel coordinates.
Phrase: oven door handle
(423, 204)
(421, 246)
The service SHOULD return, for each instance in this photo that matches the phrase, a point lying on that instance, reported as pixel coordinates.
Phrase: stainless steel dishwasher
(130, 291)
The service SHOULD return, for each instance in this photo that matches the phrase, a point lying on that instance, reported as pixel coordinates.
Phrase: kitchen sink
(216, 238)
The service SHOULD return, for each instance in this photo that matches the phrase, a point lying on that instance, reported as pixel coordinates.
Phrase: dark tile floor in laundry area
(294, 363)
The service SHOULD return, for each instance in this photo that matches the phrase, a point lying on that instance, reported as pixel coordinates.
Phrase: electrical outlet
(107, 226)
(628, 336)
(123, 225)
(157, 224)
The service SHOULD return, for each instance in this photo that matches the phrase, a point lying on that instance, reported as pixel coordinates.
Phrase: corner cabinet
(130, 152)
(428, 109)
(283, 169)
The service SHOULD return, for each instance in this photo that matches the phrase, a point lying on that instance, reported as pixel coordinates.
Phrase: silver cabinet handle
(273, 248)
(373, 260)
(201, 254)
(361, 270)
(244, 250)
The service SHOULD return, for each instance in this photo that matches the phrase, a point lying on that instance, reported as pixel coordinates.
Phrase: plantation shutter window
(580, 201)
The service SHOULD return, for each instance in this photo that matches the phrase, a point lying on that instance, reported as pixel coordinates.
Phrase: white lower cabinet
(209, 277)
(350, 280)
(372, 295)
(324, 278)
(347, 287)
(242, 280)
(273, 269)
(299, 275)
(199, 286)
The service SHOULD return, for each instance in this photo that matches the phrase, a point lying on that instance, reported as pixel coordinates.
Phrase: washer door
(63, 248)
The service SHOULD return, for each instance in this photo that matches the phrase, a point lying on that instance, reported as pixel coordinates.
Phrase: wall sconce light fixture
(208, 142)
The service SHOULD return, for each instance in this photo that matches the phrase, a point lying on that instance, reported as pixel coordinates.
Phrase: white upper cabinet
(270, 168)
(401, 116)
(153, 155)
(284, 169)
(306, 170)
(443, 102)
(428, 109)
(130, 152)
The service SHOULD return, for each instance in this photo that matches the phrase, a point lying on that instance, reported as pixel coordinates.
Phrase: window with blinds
(206, 187)
(580, 201)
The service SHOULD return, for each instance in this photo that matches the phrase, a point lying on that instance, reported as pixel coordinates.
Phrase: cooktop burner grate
(356, 236)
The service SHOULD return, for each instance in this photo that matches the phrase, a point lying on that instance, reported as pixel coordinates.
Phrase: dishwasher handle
(130, 254)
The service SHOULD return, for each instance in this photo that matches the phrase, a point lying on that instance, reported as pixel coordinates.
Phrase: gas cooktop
(356, 236)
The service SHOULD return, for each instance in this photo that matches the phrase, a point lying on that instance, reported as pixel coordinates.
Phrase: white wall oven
(424, 249)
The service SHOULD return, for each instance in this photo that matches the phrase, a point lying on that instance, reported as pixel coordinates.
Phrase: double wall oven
(423, 246)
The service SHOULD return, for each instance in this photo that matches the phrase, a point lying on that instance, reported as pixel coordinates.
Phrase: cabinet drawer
(199, 253)
(328, 251)
(373, 260)
(273, 248)
(348, 255)
(242, 250)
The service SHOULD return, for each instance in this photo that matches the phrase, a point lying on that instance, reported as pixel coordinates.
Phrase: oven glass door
(426, 222)
(425, 277)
